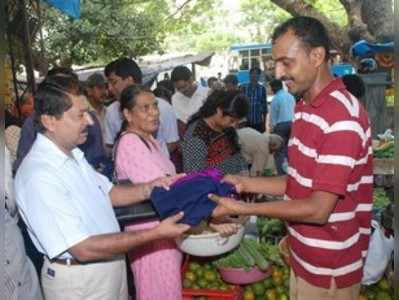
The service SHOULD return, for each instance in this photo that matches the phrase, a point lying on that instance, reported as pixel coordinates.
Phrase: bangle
(147, 188)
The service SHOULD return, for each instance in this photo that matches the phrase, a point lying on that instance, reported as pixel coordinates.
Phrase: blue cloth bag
(191, 197)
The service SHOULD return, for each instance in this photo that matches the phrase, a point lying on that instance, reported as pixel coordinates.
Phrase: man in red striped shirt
(328, 188)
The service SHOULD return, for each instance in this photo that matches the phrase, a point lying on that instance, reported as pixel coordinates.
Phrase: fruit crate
(235, 293)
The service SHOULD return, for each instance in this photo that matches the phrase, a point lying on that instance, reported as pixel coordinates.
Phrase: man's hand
(166, 182)
(169, 228)
(226, 206)
(237, 181)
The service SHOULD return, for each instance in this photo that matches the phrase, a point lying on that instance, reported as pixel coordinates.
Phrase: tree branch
(338, 35)
(178, 9)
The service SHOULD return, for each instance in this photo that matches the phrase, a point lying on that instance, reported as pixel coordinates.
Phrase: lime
(190, 276)
(383, 284)
(210, 276)
(187, 283)
(383, 295)
(199, 272)
(192, 266)
(202, 283)
(258, 288)
(268, 283)
(283, 297)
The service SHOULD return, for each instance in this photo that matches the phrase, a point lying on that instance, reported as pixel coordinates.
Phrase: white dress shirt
(185, 107)
(62, 199)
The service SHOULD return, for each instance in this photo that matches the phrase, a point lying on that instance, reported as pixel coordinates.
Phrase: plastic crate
(235, 293)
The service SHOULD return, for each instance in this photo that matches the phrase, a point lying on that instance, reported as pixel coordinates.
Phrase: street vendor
(329, 185)
(67, 205)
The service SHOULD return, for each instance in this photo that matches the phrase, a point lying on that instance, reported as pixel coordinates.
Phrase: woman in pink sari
(139, 158)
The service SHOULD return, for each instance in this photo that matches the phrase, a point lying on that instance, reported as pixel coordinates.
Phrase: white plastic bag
(378, 256)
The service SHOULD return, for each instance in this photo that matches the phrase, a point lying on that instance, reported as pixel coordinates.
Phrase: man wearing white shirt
(67, 206)
(189, 96)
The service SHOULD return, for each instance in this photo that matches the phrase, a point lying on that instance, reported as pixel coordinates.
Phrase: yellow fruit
(210, 276)
(271, 294)
(383, 284)
(190, 276)
(249, 295)
(277, 280)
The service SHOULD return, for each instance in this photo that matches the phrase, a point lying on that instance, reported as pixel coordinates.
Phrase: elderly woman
(139, 158)
(211, 140)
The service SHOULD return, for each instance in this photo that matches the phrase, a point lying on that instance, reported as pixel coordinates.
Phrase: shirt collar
(55, 155)
(336, 84)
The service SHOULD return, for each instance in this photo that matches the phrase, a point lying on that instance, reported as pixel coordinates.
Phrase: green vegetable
(380, 199)
(250, 262)
(251, 246)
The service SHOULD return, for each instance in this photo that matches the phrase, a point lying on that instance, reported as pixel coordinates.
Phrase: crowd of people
(74, 152)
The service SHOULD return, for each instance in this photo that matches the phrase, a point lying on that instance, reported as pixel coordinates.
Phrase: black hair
(181, 73)
(355, 85)
(233, 104)
(167, 84)
(276, 85)
(51, 98)
(124, 67)
(61, 71)
(128, 101)
(309, 30)
(255, 69)
(231, 78)
(163, 93)
(211, 80)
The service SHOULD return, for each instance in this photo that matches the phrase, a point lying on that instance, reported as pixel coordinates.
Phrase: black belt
(65, 262)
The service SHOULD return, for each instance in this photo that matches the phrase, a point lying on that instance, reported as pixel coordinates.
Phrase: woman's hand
(225, 229)
(165, 182)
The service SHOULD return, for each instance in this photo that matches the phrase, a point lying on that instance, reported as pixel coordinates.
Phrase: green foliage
(260, 17)
(106, 29)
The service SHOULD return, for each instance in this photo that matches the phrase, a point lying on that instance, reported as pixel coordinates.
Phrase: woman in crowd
(211, 140)
(139, 159)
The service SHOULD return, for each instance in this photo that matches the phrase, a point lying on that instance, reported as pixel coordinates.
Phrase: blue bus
(243, 57)
(246, 56)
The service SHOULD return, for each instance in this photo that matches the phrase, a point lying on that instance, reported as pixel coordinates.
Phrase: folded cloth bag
(190, 195)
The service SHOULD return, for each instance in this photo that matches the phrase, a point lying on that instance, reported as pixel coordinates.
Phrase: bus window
(255, 62)
(266, 51)
(244, 53)
(244, 64)
(255, 52)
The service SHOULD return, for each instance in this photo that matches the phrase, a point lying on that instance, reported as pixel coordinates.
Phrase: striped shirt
(257, 102)
(330, 150)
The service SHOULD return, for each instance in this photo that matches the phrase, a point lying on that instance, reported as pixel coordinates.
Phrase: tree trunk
(339, 39)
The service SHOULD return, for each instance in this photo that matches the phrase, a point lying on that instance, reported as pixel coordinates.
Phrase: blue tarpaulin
(365, 49)
(68, 7)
